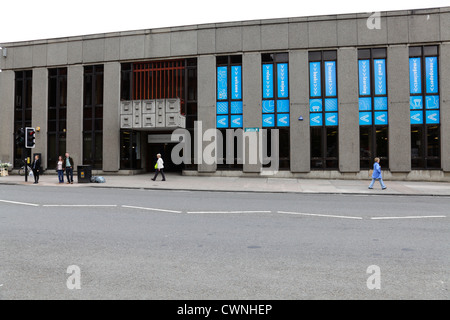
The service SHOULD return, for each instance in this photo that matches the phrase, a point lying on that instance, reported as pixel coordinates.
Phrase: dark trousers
(158, 171)
(69, 174)
(36, 175)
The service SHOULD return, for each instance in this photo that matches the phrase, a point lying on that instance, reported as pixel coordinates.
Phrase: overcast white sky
(42, 19)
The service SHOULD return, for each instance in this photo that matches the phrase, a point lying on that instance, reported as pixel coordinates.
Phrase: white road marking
(321, 215)
(406, 217)
(219, 212)
(152, 209)
(79, 205)
(20, 203)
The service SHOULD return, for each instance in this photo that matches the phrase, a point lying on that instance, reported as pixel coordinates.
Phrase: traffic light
(30, 137)
(20, 137)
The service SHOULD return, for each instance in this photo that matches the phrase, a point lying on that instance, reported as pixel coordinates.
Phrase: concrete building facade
(339, 90)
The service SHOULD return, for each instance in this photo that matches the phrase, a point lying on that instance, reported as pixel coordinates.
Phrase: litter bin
(84, 174)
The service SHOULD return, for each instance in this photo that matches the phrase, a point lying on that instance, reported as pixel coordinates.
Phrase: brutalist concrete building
(334, 91)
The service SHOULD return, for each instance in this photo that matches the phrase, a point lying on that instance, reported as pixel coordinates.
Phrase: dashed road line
(80, 205)
(406, 217)
(20, 203)
(225, 212)
(151, 209)
(320, 215)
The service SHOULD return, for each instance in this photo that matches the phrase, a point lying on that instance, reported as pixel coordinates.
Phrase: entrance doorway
(165, 149)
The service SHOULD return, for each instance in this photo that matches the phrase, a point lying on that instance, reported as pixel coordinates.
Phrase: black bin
(84, 174)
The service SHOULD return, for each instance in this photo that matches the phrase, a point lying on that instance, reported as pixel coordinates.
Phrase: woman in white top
(59, 169)
(159, 168)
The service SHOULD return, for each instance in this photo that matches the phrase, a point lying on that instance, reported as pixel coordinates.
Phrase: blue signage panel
(415, 102)
(282, 105)
(381, 118)
(222, 107)
(364, 77)
(330, 78)
(236, 121)
(379, 66)
(431, 74)
(331, 119)
(315, 119)
(380, 103)
(365, 104)
(267, 81)
(331, 104)
(315, 79)
(415, 75)
(236, 83)
(365, 118)
(416, 117)
(236, 107)
(222, 83)
(283, 80)
(268, 106)
(222, 121)
(432, 102)
(315, 105)
(268, 120)
(432, 117)
(283, 120)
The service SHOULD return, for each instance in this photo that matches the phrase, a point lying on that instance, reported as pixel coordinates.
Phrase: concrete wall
(74, 136)
(7, 116)
(39, 111)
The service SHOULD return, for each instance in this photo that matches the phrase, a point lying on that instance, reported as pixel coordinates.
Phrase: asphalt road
(142, 244)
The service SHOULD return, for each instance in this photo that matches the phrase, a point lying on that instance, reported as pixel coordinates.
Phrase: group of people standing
(63, 165)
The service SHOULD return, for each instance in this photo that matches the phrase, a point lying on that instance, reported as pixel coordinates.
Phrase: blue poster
(330, 78)
(283, 120)
(365, 104)
(222, 107)
(314, 79)
(236, 107)
(379, 66)
(268, 106)
(415, 102)
(431, 74)
(416, 117)
(222, 83)
(365, 118)
(283, 80)
(315, 119)
(331, 104)
(267, 81)
(222, 121)
(331, 119)
(415, 75)
(432, 117)
(364, 77)
(236, 84)
(380, 103)
(381, 118)
(432, 102)
(236, 121)
(268, 120)
(283, 106)
(315, 105)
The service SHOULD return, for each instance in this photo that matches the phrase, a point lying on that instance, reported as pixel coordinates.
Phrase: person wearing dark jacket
(68, 165)
(36, 167)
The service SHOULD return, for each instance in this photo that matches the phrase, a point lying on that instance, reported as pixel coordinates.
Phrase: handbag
(156, 165)
(370, 173)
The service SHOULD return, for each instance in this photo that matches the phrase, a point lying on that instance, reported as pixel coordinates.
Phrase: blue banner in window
(236, 107)
(267, 81)
(283, 120)
(365, 104)
(282, 105)
(222, 107)
(283, 80)
(268, 120)
(315, 79)
(331, 104)
(432, 117)
(222, 83)
(432, 102)
(415, 102)
(415, 75)
(236, 84)
(380, 103)
(315, 119)
(379, 66)
(381, 118)
(331, 119)
(236, 121)
(315, 105)
(416, 117)
(364, 77)
(330, 78)
(268, 106)
(431, 74)
(365, 118)
(222, 121)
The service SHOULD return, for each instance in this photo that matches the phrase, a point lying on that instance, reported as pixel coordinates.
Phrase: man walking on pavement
(68, 165)
(159, 168)
(36, 167)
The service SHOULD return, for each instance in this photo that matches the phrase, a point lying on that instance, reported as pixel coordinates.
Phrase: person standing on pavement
(68, 165)
(159, 168)
(376, 175)
(59, 169)
(36, 167)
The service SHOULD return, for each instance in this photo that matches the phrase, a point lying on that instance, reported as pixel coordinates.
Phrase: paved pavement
(248, 184)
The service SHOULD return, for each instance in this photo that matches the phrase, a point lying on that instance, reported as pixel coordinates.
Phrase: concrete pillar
(7, 85)
(39, 112)
(111, 121)
(300, 141)
(347, 79)
(398, 106)
(252, 101)
(74, 140)
(444, 78)
(206, 70)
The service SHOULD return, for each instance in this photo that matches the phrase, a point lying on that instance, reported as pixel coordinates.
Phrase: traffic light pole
(26, 165)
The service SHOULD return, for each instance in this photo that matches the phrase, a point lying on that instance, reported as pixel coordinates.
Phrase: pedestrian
(376, 175)
(159, 167)
(59, 169)
(68, 165)
(36, 167)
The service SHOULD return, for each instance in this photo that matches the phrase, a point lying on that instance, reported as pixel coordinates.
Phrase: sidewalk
(240, 184)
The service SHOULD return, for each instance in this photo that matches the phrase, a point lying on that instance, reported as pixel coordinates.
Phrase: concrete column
(7, 85)
(347, 79)
(252, 101)
(399, 116)
(300, 141)
(206, 70)
(74, 142)
(444, 78)
(40, 111)
(111, 121)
